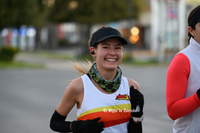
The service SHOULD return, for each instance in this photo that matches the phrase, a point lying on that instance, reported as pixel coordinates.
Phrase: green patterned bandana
(108, 86)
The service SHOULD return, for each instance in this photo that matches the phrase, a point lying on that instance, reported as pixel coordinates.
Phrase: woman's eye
(118, 48)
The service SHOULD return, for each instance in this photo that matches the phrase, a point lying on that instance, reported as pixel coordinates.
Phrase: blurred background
(155, 29)
(39, 37)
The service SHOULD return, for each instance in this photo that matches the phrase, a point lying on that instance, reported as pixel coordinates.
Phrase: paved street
(28, 97)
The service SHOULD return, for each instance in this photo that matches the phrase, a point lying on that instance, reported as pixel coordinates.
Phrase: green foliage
(95, 11)
(20, 65)
(14, 13)
(85, 56)
(127, 58)
(62, 42)
(8, 53)
(145, 62)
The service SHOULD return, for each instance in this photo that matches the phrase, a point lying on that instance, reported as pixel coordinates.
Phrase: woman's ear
(92, 49)
(190, 30)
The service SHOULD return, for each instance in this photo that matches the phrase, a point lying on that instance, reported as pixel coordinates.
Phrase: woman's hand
(88, 126)
(137, 102)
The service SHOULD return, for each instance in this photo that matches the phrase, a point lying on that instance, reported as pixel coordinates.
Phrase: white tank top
(114, 109)
(191, 122)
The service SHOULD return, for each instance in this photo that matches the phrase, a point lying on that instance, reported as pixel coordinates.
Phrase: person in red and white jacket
(183, 81)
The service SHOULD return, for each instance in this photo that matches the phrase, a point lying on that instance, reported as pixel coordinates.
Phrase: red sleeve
(177, 76)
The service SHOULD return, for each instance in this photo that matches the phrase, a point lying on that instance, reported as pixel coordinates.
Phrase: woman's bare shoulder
(132, 82)
(71, 96)
(76, 85)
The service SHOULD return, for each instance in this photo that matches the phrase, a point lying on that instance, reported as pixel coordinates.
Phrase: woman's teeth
(111, 59)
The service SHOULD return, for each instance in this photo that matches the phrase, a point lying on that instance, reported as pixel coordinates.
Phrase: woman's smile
(111, 60)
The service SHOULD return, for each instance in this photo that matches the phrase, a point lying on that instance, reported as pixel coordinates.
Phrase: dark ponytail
(189, 35)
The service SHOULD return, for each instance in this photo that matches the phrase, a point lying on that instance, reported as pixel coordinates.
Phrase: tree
(94, 11)
(90, 12)
(14, 13)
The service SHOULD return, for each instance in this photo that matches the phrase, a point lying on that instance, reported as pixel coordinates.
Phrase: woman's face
(108, 54)
(196, 33)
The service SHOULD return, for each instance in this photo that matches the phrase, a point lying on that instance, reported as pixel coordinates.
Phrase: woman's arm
(136, 99)
(71, 96)
(176, 84)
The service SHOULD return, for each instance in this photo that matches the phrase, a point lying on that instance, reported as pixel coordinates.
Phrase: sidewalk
(49, 63)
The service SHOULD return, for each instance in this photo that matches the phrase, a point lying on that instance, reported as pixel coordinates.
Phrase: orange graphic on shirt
(122, 97)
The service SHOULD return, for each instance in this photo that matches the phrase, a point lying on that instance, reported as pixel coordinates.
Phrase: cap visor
(110, 36)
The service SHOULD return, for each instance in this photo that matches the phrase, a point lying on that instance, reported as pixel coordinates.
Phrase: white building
(168, 24)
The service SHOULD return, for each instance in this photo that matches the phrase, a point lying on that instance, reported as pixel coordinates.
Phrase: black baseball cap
(104, 33)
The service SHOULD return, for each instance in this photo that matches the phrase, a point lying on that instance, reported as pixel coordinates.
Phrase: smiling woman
(98, 89)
